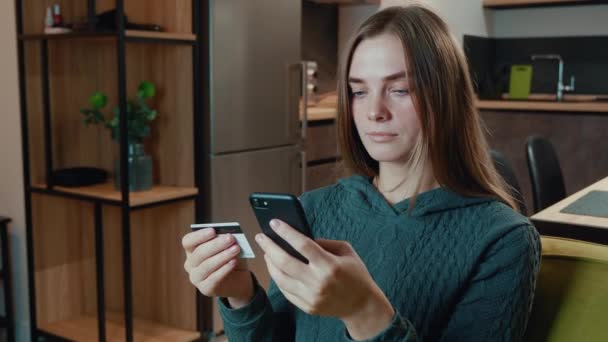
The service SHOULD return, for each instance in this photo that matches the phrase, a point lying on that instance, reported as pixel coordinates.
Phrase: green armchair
(571, 300)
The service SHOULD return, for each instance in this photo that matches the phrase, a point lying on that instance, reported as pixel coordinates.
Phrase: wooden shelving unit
(84, 329)
(107, 193)
(159, 36)
(107, 265)
(505, 4)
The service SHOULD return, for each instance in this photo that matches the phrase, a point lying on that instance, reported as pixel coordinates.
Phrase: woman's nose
(377, 110)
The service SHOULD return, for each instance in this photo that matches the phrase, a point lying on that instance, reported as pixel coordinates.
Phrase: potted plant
(139, 115)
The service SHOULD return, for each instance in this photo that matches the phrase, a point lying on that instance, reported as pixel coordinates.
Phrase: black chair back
(506, 171)
(545, 173)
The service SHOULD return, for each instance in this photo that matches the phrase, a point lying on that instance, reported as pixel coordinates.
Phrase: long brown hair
(452, 135)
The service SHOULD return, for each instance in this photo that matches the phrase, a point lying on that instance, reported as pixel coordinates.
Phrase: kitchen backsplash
(490, 60)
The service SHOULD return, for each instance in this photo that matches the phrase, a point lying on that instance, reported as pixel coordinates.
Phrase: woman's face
(382, 106)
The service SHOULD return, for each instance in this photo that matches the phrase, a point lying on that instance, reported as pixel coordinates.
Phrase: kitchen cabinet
(505, 4)
(322, 154)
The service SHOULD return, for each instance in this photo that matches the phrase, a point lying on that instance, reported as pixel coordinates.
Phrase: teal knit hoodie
(454, 268)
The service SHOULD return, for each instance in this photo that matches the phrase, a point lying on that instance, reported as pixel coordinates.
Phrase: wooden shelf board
(106, 191)
(169, 36)
(160, 35)
(69, 35)
(513, 105)
(498, 4)
(84, 328)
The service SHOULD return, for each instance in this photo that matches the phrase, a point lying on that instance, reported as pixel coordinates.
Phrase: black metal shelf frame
(121, 40)
(7, 321)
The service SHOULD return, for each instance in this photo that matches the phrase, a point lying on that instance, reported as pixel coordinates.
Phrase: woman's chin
(388, 156)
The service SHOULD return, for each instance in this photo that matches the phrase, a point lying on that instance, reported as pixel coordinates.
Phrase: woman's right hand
(214, 267)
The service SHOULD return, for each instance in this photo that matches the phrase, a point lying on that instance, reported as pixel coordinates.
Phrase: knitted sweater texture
(454, 268)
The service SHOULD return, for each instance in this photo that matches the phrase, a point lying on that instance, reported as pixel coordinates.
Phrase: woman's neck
(398, 182)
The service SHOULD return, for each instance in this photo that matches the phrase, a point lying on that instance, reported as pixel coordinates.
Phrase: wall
(551, 21)
(11, 174)
(349, 18)
(462, 16)
(469, 17)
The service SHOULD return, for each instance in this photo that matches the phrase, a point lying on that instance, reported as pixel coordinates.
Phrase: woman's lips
(381, 137)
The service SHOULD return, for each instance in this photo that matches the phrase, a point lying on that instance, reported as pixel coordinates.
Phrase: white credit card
(233, 228)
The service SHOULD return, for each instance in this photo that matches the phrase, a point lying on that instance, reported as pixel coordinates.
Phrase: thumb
(336, 247)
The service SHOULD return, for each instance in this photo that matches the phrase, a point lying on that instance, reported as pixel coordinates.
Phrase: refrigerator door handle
(303, 170)
(294, 72)
(304, 117)
(301, 113)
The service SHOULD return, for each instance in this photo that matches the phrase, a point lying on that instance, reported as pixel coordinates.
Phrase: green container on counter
(520, 82)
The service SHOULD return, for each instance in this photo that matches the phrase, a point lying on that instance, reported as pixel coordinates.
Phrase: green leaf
(98, 100)
(151, 115)
(113, 123)
(146, 90)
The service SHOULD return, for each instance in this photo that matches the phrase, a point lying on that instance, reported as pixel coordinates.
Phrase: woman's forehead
(378, 57)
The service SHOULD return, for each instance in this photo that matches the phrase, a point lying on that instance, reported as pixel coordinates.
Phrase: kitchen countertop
(327, 110)
(320, 113)
(546, 102)
(542, 106)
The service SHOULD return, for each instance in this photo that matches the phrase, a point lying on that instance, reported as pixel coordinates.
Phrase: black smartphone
(285, 207)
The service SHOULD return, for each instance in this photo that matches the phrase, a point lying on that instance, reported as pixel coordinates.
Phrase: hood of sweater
(364, 195)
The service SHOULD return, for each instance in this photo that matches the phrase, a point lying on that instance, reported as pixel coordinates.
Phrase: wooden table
(551, 221)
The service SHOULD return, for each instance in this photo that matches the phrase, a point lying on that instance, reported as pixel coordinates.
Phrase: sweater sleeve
(497, 304)
(400, 330)
(268, 317)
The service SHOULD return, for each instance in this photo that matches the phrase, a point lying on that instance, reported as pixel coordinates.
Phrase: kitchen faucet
(560, 76)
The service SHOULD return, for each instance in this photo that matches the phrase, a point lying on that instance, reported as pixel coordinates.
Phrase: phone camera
(255, 201)
(265, 203)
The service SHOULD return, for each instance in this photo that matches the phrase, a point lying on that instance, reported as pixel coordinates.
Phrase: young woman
(422, 242)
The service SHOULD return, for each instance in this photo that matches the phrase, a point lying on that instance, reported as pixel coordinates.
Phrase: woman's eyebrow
(392, 77)
(395, 76)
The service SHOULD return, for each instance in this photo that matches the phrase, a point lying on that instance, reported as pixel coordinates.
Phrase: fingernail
(233, 248)
(228, 238)
(274, 223)
(259, 237)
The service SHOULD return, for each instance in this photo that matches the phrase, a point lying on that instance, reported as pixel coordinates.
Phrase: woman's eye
(358, 93)
(400, 91)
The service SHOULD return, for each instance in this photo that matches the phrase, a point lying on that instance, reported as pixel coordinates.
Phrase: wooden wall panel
(171, 143)
(77, 70)
(172, 16)
(64, 253)
(161, 290)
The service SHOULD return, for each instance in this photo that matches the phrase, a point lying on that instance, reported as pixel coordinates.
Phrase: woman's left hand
(334, 283)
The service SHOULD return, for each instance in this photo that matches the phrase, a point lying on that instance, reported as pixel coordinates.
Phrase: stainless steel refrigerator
(253, 140)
